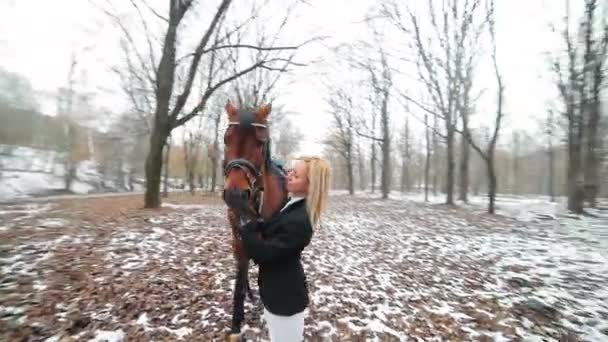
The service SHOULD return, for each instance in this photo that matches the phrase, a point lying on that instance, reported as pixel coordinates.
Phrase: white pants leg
(285, 328)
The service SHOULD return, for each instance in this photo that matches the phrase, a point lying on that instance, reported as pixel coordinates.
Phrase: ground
(103, 269)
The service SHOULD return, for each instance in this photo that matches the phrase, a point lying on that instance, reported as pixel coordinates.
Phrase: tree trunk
(592, 183)
(386, 149)
(361, 163)
(191, 181)
(427, 161)
(120, 175)
(351, 177)
(71, 155)
(154, 164)
(551, 185)
(70, 174)
(404, 175)
(477, 181)
(215, 153)
(492, 183)
(575, 193)
(435, 154)
(464, 168)
(214, 166)
(166, 165)
(373, 158)
(450, 168)
(130, 178)
(405, 169)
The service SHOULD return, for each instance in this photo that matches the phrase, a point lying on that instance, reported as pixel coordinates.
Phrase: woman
(276, 246)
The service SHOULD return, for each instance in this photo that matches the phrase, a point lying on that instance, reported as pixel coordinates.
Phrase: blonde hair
(318, 187)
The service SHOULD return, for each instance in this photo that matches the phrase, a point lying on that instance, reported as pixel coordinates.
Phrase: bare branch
(368, 136)
(154, 12)
(211, 90)
(253, 47)
(145, 68)
(147, 31)
(183, 97)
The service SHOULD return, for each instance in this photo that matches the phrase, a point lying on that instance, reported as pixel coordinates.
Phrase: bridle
(252, 173)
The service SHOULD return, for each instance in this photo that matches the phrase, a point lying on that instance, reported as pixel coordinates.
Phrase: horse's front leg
(240, 291)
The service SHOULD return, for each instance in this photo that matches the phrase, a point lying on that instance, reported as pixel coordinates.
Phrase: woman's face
(297, 179)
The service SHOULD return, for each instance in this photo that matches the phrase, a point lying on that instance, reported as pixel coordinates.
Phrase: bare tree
(341, 137)
(435, 154)
(464, 106)
(192, 144)
(405, 158)
(167, 166)
(373, 143)
(66, 109)
(361, 167)
(214, 150)
(170, 100)
(288, 138)
(549, 133)
(441, 57)
(579, 80)
(488, 153)
(596, 49)
(381, 84)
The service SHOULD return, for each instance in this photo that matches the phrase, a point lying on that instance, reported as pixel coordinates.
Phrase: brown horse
(254, 187)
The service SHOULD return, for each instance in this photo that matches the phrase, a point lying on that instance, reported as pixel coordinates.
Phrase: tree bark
(551, 180)
(373, 157)
(361, 165)
(575, 181)
(435, 154)
(153, 167)
(464, 167)
(386, 148)
(592, 148)
(450, 168)
(427, 161)
(215, 153)
(166, 165)
(351, 177)
(405, 168)
(492, 183)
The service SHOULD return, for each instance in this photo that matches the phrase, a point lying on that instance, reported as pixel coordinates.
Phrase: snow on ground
(18, 185)
(29, 172)
(377, 270)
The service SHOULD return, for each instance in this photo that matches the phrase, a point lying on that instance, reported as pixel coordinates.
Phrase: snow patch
(108, 336)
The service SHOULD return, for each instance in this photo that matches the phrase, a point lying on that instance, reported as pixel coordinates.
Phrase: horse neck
(275, 192)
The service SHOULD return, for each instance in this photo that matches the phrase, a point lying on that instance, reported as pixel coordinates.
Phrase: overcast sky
(38, 37)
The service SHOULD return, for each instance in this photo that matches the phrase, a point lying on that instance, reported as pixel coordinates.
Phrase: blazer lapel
(275, 222)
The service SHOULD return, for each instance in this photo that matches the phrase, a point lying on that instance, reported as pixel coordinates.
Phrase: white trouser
(285, 328)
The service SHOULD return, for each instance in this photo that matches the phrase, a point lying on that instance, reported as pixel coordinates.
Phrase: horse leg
(249, 291)
(238, 301)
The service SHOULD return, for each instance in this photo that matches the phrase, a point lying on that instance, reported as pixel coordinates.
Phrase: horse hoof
(235, 337)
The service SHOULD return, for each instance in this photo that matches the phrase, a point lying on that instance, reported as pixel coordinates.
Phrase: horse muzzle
(238, 199)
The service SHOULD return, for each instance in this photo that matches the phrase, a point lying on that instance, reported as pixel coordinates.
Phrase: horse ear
(262, 113)
(231, 109)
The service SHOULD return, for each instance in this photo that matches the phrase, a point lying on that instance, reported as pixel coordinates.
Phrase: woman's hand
(251, 226)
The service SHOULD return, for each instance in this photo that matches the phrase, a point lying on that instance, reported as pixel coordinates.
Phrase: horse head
(246, 146)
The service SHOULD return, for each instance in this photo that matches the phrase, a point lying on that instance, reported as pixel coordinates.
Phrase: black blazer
(277, 251)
